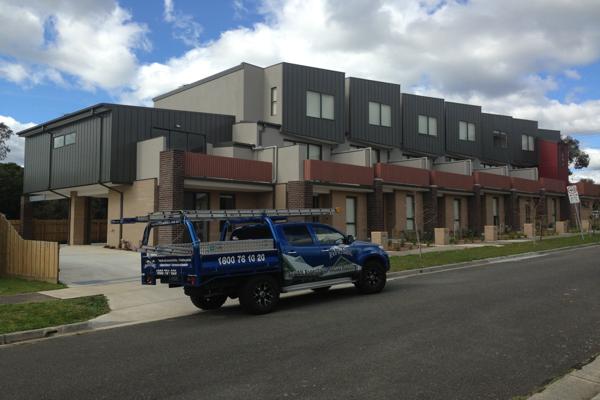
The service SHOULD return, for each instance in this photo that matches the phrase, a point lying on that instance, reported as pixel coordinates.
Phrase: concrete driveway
(92, 265)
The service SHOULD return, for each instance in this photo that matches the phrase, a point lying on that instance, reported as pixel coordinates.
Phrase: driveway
(90, 265)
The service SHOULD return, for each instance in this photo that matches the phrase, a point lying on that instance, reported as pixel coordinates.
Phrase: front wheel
(372, 278)
(259, 295)
(208, 302)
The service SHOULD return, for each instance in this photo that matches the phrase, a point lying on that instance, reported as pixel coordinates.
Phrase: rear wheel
(259, 295)
(372, 278)
(208, 302)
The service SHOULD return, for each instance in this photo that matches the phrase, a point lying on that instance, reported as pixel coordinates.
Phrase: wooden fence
(29, 259)
(57, 230)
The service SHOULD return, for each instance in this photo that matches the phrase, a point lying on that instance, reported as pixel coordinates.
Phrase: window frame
(374, 105)
(502, 139)
(274, 100)
(432, 122)
(321, 105)
(354, 216)
(410, 199)
(58, 139)
(527, 142)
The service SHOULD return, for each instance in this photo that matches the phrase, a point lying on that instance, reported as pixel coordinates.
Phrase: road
(490, 332)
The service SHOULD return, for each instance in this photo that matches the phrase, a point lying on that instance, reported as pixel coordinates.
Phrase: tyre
(372, 278)
(321, 289)
(259, 295)
(208, 302)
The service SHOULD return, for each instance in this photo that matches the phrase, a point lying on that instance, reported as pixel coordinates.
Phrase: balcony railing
(390, 173)
(449, 180)
(525, 185)
(553, 185)
(588, 189)
(332, 172)
(492, 181)
(198, 165)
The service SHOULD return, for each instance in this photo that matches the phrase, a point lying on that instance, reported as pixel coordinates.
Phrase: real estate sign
(573, 195)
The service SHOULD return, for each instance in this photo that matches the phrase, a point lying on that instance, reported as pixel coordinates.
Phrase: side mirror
(349, 239)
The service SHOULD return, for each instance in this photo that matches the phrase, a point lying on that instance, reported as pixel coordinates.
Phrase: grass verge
(22, 317)
(413, 261)
(9, 286)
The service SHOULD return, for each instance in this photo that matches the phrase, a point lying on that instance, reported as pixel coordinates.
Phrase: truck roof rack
(207, 215)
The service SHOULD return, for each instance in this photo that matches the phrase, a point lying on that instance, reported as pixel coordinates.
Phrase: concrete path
(85, 265)
(581, 384)
(25, 298)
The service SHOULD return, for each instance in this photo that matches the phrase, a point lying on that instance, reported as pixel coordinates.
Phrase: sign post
(574, 200)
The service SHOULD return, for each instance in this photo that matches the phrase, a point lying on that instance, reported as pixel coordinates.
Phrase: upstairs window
(69, 138)
(273, 101)
(427, 125)
(466, 131)
(313, 151)
(59, 141)
(319, 105)
(380, 114)
(500, 139)
(527, 143)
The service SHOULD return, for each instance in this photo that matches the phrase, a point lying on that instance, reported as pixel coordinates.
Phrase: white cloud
(185, 28)
(92, 41)
(572, 74)
(15, 143)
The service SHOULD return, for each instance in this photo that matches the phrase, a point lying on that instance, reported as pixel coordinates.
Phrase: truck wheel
(208, 302)
(321, 289)
(372, 278)
(259, 295)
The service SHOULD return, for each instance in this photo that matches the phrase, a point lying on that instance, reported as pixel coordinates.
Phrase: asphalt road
(490, 332)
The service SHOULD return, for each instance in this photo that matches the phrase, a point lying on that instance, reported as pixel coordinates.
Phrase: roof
(66, 119)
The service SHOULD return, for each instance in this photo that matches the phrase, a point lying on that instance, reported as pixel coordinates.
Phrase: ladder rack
(208, 215)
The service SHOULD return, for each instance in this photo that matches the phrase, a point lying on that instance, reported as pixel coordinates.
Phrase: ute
(260, 254)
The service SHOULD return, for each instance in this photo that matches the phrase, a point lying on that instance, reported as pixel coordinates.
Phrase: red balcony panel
(449, 180)
(525, 185)
(332, 172)
(492, 181)
(198, 165)
(390, 173)
(553, 185)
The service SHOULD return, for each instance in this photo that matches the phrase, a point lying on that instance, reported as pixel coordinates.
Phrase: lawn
(10, 286)
(401, 263)
(22, 317)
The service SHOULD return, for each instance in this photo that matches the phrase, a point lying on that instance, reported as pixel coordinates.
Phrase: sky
(535, 59)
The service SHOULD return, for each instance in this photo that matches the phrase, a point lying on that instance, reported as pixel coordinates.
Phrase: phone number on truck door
(241, 259)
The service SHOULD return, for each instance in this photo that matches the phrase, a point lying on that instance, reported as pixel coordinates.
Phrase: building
(294, 136)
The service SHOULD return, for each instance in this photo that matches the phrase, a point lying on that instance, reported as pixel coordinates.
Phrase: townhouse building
(289, 136)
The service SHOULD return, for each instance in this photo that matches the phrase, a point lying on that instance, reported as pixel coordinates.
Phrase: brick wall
(299, 194)
(375, 216)
(170, 192)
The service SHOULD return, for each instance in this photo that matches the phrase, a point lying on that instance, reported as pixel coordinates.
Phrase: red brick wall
(170, 191)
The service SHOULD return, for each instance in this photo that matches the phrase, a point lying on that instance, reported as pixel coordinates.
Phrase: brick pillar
(512, 211)
(26, 217)
(475, 211)
(299, 194)
(375, 217)
(78, 219)
(170, 192)
(566, 211)
(542, 210)
(430, 210)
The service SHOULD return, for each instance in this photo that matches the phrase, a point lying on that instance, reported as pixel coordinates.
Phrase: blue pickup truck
(260, 254)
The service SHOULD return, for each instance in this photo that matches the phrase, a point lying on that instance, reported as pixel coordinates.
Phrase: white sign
(573, 195)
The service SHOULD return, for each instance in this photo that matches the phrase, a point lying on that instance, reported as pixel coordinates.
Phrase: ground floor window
(495, 212)
(351, 216)
(456, 215)
(410, 213)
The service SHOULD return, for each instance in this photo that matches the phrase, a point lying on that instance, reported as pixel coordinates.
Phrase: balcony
(398, 174)
(553, 185)
(588, 189)
(449, 180)
(525, 185)
(492, 181)
(332, 172)
(198, 165)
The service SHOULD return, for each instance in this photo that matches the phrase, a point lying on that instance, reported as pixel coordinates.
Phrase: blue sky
(537, 60)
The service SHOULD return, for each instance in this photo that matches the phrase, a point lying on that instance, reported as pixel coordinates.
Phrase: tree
(11, 184)
(577, 157)
(5, 134)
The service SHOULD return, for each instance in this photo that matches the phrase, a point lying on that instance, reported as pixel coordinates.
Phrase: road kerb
(582, 383)
(15, 337)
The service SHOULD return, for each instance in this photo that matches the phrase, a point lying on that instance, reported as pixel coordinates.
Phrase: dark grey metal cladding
(37, 158)
(412, 141)
(550, 135)
(520, 157)
(297, 80)
(489, 124)
(456, 112)
(359, 92)
(134, 124)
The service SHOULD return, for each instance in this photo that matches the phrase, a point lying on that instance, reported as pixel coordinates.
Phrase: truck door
(336, 255)
(302, 257)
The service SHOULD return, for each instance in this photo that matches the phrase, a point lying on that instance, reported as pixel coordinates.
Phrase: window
(427, 125)
(495, 214)
(380, 114)
(273, 101)
(456, 214)
(69, 138)
(59, 141)
(313, 151)
(328, 236)
(466, 131)
(319, 105)
(297, 235)
(376, 155)
(527, 143)
(500, 139)
(410, 213)
(252, 232)
(351, 216)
